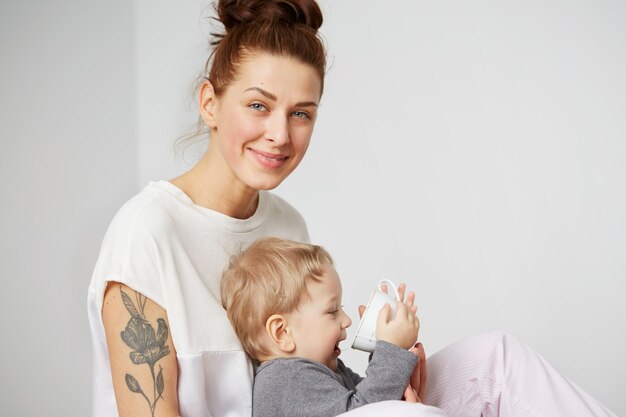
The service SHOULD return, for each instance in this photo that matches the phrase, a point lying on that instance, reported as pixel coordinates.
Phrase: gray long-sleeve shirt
(298, 387)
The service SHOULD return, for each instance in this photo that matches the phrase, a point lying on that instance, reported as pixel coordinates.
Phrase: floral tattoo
(148, 346)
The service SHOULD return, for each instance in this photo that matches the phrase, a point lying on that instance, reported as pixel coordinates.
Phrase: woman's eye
(301, 115)
(257, 106)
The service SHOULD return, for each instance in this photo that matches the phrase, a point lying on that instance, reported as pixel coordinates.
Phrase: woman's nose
(278, 130)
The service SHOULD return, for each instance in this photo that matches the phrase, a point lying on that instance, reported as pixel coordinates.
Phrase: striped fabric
(488, 376)
(497, 375)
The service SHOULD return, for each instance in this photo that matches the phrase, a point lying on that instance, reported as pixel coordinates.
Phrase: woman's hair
(278, 27)
(269, 277)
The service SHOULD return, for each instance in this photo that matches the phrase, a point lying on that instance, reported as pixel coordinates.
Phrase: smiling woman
(161, 337)
(260, 126)
(163, 345)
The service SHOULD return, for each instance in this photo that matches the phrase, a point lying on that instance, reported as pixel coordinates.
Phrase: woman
(163, 345)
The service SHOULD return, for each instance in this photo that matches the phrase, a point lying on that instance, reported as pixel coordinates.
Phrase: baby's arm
(402, 330)
(388, 374)
(300, 387)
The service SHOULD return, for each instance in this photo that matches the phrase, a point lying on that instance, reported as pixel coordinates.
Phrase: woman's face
(262, 124)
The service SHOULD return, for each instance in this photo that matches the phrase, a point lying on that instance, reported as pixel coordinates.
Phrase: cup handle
(390, 284)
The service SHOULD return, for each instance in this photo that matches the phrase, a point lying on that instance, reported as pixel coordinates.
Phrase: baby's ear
(276, 329)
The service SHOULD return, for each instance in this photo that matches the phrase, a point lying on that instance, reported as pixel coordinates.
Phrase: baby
(283, 299)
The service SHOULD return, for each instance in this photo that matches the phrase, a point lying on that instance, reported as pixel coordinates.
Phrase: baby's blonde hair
(269, 277)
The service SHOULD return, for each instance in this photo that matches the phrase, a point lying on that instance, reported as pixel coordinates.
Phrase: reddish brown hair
(278, 27)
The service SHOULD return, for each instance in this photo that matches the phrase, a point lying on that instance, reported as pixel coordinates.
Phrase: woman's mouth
(269, 160)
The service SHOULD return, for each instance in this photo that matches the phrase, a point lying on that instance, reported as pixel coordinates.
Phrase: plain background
(476, 150)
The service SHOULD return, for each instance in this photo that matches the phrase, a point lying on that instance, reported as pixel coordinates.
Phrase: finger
(421, 391)
(410, 395)
(401, 310)
(384, 288)
(361, 310)
(401, 289)
(410, 299)
(415, 375)
(410, 315)
(414, 309)
(404, 312)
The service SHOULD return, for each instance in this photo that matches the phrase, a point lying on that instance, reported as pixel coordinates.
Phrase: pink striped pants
(492, 375)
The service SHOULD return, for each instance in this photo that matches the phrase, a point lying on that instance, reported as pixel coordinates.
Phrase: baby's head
(283, 299)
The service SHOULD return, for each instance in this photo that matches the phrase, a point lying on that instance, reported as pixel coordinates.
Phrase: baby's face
(319, 323)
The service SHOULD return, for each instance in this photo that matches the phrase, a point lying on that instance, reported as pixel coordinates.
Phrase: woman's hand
(417, 382)
(414, 392)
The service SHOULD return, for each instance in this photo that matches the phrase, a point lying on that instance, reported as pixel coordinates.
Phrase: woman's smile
(269, 160)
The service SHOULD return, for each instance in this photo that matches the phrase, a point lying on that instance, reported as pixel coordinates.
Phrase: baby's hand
(403, 328)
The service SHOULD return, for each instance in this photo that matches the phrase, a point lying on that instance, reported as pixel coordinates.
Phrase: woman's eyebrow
(265, 93)
(274, 98)
(307, 104)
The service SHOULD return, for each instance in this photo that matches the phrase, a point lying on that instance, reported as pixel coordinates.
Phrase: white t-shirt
(172, 251)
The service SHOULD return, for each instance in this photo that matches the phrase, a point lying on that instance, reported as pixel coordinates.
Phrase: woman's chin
(265, 182)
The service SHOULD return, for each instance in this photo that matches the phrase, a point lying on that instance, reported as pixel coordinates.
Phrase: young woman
(162, 343)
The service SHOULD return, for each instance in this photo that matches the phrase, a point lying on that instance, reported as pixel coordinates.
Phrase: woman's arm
(143, 361)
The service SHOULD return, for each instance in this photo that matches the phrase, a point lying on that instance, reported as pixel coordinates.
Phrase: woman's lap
(495, 374)
(490, 375)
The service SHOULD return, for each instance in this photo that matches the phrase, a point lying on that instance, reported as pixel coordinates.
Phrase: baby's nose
(347, 322)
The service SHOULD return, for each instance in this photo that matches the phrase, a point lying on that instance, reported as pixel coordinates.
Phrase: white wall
(68, 159)
(476, 150)
(172, 47)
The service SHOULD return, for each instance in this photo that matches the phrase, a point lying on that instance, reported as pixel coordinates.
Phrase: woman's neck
(212, 185)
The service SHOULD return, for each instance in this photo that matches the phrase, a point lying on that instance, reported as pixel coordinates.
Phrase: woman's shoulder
(129, 252)
(283, 214)
(150, 211)
(280, 207)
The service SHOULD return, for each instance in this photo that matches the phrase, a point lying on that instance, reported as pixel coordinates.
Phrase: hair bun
(236, 12)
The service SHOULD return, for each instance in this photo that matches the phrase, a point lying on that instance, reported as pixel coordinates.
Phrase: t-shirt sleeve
(130, 254)
(387, 374)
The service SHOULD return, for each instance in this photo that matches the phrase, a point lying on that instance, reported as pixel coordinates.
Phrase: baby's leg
(496, 375)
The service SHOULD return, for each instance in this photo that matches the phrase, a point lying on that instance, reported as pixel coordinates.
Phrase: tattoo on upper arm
(148, 346)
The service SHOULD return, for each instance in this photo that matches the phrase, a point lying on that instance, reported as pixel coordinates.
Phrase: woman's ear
(279, 334)
(207, 103)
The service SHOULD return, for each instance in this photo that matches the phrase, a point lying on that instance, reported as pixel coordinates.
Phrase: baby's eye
(335, 311)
